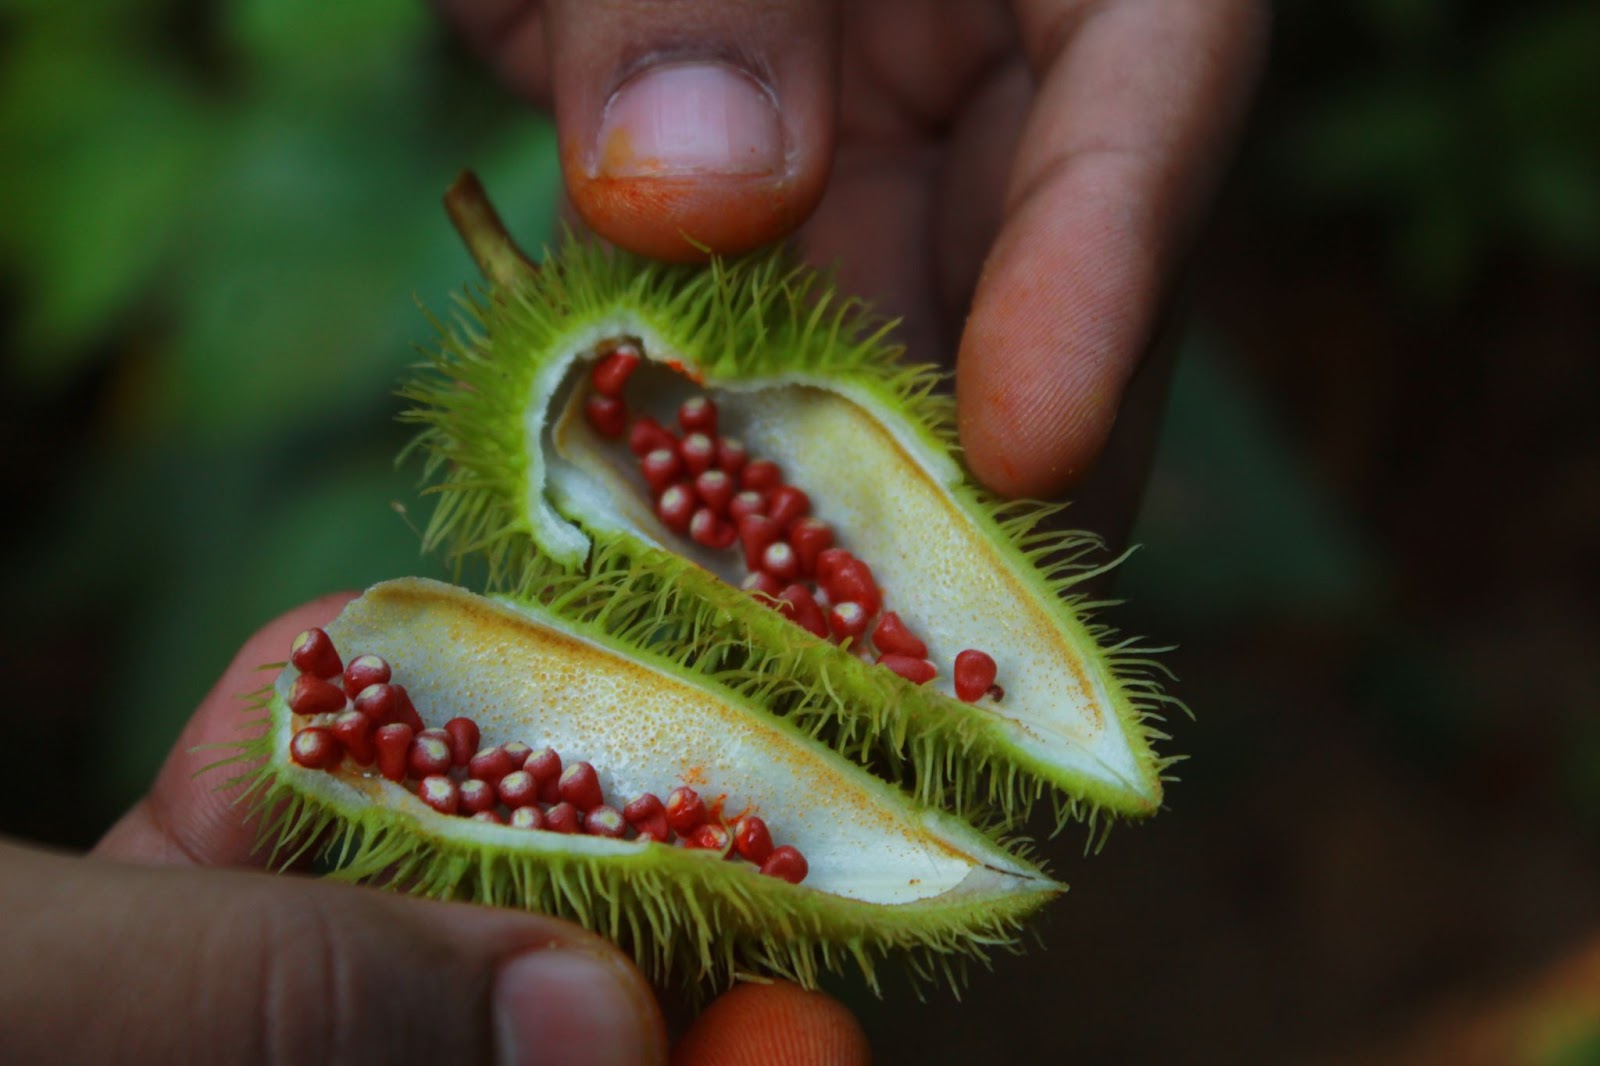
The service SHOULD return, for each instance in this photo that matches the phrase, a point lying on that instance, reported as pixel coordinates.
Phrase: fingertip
(777, 1024)
(694, 158)
(685, 220)
(189, 816)
(1058, 325)
(1027, 436)
(564, 1005)
(682, 137)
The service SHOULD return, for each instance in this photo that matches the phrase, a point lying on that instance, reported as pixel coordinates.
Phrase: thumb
(681, 125)
(102, 962)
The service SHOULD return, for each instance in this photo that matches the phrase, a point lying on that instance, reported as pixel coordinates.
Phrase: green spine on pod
(527, 484)
(889, 877)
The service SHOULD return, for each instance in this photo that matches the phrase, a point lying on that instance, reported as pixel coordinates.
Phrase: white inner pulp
(645, 730)
(888, 502)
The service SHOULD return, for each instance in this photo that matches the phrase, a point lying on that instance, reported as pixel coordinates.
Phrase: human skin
(1019, 181)
(166, 945)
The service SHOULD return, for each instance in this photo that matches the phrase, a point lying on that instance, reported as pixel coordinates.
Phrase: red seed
(710, 837)
(476, 796)
(543, 765)
(312, 695)
(751, 839)
(611, 374)
(661, 468)
(761, 475)
(973, 674)
(377, 702)
(800, 607)
(393, 742)
(518, 789)
(786, 862)
(715, 489)
(365, 670)
(676, 507)
(698, 414)
(440, 793)
(654, 828)
(731, 455)
(429, 755)
(685, 809)
(353, 730)
(492, 817)
(847, 621)
(315, 748)
(313, 653)
(490, 764)
(917, 671)
(562, 818)
(706, 529)
(756, 532)
(763, 583)
(647, 435)
(464, 737)
(646, 806)
(607, 414)
(746, 502)
(527, 818)
(605, 822)
(787, 505)
(997, 693)
(893, 638)
(517, 752)
(698, 451)
(580, 786)
(810, 537)
(780, 561)
(829, 560)
(406, 711)
(852, 580)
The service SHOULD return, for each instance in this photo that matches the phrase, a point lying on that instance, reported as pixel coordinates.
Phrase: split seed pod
(854, 447)
(881, 875)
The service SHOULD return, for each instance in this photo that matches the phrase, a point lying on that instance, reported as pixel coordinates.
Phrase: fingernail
(566, 1008)
(690, 118)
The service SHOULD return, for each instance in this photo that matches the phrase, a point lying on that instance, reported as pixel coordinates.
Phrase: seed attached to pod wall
(849, 492)
(895, 878)
(313, 653)
(974, 674)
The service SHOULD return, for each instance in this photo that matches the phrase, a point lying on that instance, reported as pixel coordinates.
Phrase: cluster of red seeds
(708, 488)
(357, 711)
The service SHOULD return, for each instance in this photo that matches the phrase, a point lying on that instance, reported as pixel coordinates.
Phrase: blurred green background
(1371, 524)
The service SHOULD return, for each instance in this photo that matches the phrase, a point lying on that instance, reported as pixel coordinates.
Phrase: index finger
(186, 819)
(1137, 107)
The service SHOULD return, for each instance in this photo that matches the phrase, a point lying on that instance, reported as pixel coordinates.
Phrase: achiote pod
(563, 768)
(757, 446)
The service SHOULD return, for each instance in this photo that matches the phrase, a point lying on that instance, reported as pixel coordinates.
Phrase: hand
(140, 954)
(1042, 165)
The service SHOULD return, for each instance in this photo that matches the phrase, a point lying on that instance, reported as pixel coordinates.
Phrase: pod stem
(486, 236)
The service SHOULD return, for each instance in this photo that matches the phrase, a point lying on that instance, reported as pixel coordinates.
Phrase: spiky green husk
(751, 321)
(938, 750)
(687, 916)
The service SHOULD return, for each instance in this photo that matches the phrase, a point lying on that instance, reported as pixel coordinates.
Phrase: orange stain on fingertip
(676, 218)
(776, 1024)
